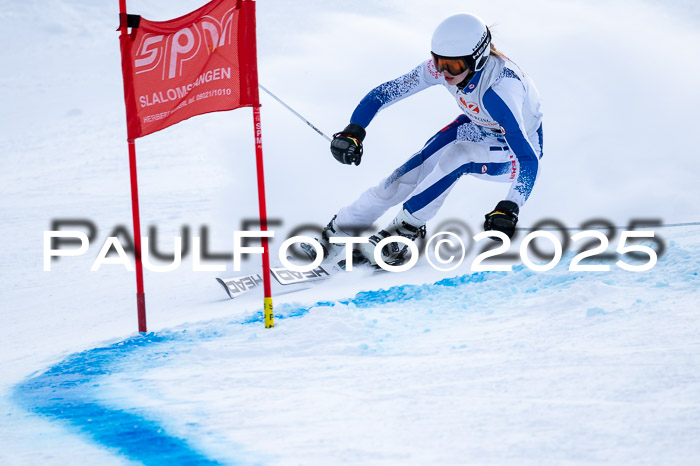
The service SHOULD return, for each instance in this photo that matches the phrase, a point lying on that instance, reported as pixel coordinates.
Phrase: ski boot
(330, 250)
(395, 253)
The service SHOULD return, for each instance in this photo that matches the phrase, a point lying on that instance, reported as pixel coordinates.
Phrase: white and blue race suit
(497, 137)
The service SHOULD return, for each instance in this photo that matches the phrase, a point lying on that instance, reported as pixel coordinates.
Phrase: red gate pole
(267, 300)
(251, 72)
(140, 294)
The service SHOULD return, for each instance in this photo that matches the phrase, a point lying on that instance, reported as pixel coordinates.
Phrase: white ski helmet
(463, 36)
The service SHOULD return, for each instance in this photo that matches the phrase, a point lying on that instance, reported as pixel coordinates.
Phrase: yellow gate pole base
(269, 317)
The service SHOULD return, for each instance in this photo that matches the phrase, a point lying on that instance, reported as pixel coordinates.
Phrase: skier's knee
(452, 158)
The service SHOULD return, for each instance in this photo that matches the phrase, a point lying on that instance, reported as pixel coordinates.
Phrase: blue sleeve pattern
(385, 94)
(517, 142)
(508, 73)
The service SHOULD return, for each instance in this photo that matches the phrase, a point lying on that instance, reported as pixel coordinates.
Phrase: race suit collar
(471, 81)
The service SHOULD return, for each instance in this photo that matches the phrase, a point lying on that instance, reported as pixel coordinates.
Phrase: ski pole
(294, 112)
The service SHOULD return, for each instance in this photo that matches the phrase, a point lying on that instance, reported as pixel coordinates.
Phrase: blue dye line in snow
(67, 391)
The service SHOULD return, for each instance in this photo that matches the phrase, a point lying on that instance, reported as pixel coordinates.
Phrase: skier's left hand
(503, 218)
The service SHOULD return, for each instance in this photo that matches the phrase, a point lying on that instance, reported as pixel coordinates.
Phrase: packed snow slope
(492, 368)
(487, 368)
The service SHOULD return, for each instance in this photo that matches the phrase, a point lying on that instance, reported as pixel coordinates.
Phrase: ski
(289, 277)
(237, 286)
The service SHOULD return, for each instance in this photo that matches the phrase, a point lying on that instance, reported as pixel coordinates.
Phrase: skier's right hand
(346, 146)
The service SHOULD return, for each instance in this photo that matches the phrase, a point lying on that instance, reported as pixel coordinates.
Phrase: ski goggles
(473, 62)
(453, 65)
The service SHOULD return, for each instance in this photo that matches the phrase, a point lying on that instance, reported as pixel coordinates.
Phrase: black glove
(503, 218)
(346, 146)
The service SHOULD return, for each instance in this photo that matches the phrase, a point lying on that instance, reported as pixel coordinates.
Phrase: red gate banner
(202, 62)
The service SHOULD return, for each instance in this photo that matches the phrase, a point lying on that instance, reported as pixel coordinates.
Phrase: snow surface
(519, 367)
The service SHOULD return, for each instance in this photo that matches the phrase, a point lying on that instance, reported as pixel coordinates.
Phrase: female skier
(497, 137)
